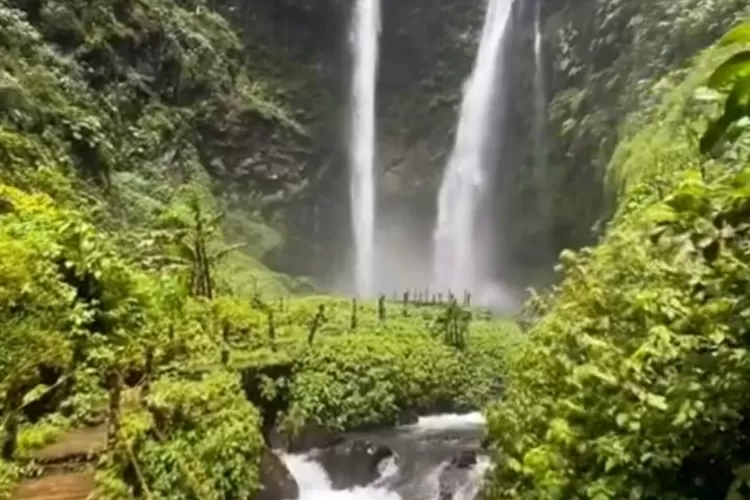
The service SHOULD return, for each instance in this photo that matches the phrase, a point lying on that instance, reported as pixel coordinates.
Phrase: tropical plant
(194, 238)
(633, 382)
(732, 76)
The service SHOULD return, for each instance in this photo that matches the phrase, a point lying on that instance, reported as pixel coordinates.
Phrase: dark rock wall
(301, 48)
(599, 57)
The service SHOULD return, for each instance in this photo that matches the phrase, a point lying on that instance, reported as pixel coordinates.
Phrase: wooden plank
(75, 444)
(72, 486)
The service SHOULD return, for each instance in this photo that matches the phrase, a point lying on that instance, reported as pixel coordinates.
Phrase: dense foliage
(602, 59)
(197, 440)
(370, 379)
(99, 322)
(75, 307)
(634, 381)
(135, 97)
(131, 292)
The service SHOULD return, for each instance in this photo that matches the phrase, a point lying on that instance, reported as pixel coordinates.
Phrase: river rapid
(437, 458)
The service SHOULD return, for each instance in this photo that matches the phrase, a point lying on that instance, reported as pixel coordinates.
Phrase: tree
(196, 245)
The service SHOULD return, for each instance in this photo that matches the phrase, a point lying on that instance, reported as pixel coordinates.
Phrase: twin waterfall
(456, 262)
(365, 33)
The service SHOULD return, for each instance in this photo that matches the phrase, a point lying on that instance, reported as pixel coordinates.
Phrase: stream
(424, 457)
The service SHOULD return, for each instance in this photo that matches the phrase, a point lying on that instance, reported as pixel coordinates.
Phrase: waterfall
(364, 41)
(540, 97)
(314, 483)
(455, 256)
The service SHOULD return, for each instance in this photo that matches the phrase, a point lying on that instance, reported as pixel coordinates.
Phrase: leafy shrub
(36, 306)
(8, 479)
(634, 381)
(41, 433)
(199, 439)
(64, 286)
(484, 362)
(367, 379)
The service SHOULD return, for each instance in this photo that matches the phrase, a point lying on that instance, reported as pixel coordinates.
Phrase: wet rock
(486, 443)
(253, 380)
(352, 463)
(276, 480)
(311, 436)
(464, 459)
(407, 417)
(456, 474)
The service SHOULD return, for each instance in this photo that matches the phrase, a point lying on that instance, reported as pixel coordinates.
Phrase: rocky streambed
(436, 458)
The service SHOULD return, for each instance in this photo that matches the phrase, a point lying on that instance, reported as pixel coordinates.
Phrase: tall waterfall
(364, 41)
(455, 255)
(540, 95)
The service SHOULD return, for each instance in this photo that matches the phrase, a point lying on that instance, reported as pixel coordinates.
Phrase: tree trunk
(114, 383)
(10, 410)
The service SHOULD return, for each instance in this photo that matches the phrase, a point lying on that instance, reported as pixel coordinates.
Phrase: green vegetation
(140, 198)
(75, 306)
(196, 440)
(633, 382)
(604, 61)
(132, 289)
(369, 379)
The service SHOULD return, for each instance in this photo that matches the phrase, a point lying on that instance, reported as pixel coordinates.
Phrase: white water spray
(456, 259)
(314, 483)
(364, 41)
(540, 95)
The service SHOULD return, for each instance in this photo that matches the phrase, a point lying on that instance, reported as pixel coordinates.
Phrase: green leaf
(737, 106)
(737, 66)
(657, 401)
(714, 133)
(34, 394)
(738, 34)
(706, 94)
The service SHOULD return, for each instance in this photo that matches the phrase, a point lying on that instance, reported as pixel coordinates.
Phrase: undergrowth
(633, 382)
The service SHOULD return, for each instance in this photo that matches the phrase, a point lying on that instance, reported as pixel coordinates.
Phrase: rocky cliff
(265, 114)
(302, 47)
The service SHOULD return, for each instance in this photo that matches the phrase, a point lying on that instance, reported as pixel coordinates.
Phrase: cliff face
(602, 61)
(266, 115)
(301, 49)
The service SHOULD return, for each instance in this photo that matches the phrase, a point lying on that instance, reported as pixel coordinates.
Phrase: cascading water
(422, 452)
(314, 484)
(455, 259)
(364, 40)
(540, 95)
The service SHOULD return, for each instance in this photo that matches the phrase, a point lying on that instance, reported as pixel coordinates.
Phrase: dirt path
(70, 486)
(77, 444)
(73, 448)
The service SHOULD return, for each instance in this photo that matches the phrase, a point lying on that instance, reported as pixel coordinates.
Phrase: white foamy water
(314, 483)
(364, 42)
(455, 255)
(449, 421)
(470, 490)
(540, 95)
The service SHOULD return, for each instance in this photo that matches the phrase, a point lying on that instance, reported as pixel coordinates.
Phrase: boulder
(352, 463)
(311, 436)
(407, 417)
(253, 380)
(464, 459)
(276, 481)
(456, 474)
(486, 443)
